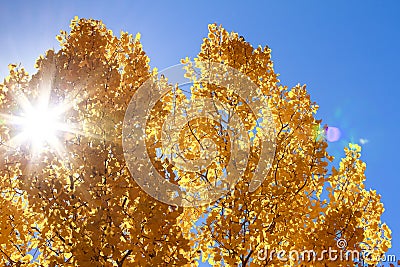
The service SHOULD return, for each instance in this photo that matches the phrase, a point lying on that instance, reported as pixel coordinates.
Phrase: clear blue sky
(347, 52)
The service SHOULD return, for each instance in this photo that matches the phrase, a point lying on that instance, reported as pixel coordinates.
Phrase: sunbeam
(40, 124)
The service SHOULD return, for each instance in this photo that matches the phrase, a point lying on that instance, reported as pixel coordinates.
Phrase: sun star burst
(41, 125)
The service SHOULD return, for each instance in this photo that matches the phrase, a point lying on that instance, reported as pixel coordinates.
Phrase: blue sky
(345, 51)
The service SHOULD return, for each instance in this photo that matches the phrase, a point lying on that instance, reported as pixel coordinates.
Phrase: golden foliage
(82, 207)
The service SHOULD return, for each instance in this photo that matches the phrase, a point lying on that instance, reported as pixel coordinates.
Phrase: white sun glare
(40, 125)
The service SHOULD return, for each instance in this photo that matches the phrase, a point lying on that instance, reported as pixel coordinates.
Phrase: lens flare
(333, 134)
(328, 133)
(318, 132)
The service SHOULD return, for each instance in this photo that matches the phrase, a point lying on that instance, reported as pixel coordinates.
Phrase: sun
(40, 125)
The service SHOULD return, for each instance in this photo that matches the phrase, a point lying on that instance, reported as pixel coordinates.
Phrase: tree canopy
(74, 202)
